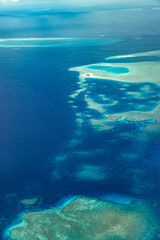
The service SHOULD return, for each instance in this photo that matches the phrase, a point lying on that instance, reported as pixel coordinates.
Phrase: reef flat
(54, 42)
(86, 219)
(141, 100)
(143, 54)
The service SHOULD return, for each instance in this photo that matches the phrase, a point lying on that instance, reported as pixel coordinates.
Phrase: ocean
(53, 141)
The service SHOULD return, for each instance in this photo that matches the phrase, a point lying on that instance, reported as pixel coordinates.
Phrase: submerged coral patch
(30, 201)
(93, 173)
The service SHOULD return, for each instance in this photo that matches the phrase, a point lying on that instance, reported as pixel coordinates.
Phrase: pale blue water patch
(55, 42)
(114, 70)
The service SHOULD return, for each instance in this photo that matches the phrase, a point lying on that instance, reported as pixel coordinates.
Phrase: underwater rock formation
(88, 219)
(30, 201)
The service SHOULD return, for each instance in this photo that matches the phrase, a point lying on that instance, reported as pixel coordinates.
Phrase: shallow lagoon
(114, 70)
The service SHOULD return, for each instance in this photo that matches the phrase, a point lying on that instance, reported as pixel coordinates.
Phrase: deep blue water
(37, 122)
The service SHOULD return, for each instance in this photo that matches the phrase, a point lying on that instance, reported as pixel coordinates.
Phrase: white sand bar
(143, 54)
(138, 72)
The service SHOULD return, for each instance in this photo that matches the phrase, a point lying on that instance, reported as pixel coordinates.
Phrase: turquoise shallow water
(114, 70)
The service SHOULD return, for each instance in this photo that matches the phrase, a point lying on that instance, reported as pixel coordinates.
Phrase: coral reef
(30, 201)
(88, 219)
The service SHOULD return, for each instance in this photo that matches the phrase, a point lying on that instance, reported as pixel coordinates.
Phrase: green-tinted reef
(89, 219)
(30, 201)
